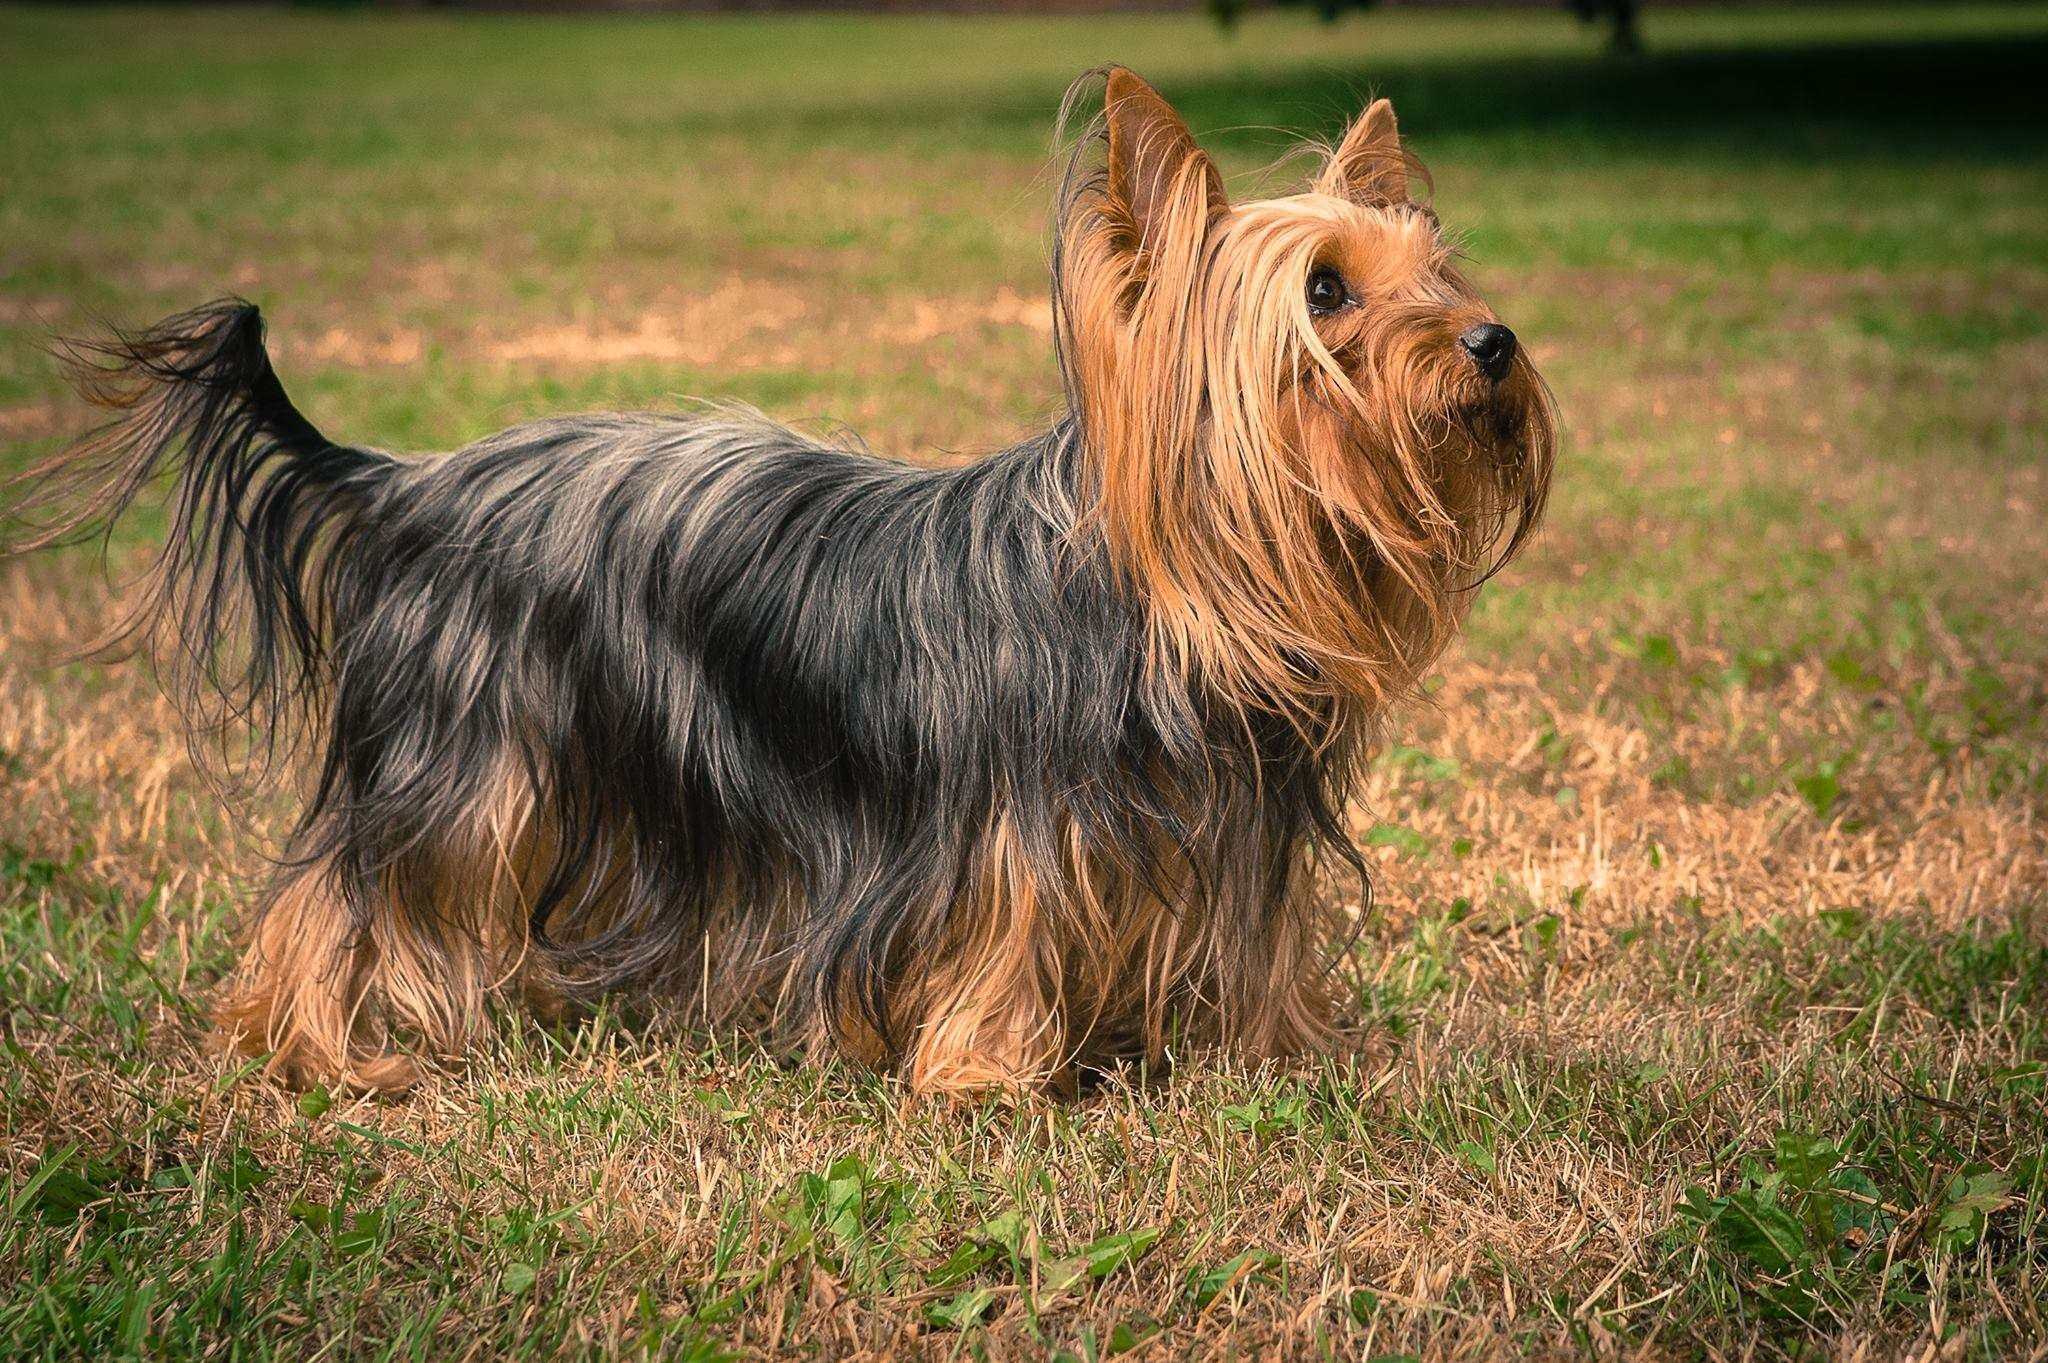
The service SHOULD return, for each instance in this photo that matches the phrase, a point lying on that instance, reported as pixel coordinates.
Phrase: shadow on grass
(1968, 99)
(1875, 99)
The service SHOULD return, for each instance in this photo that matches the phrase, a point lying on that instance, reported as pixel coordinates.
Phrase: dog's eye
(1326, 291)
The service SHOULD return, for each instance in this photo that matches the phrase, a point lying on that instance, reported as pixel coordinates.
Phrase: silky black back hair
(747, 676)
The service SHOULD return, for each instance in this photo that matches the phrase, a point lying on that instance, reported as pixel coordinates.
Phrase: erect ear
(1153, 160)
(1368, 165)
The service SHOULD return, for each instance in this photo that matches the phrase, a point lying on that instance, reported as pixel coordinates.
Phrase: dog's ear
(1155, 168)
(1369, 165)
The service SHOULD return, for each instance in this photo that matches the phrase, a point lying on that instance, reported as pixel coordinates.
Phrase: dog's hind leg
(333, 983)
(303, 992)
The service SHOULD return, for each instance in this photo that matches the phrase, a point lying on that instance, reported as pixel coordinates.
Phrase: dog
(989, 775)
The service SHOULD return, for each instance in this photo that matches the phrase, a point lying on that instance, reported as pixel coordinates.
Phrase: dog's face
(1393, 366)
(1315, 438)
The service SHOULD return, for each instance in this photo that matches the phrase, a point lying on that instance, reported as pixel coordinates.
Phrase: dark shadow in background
(1973, 99)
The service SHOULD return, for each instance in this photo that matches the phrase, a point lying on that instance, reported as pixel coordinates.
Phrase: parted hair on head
(992, 774)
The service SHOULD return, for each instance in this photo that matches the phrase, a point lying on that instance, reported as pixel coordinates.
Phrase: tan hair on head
(1299, 498)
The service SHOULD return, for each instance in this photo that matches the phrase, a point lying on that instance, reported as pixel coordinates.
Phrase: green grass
(1701, 1009)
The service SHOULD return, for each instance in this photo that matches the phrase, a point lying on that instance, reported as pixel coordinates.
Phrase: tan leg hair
(329, 998)
(1029, 978)
(1291, 1013)
(992, 1013)
(300, 991)
(1194, 972)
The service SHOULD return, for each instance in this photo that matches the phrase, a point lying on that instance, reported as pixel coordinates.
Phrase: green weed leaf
(1478, 1156)
(1251, 1265)
(1405, 840)
(1099, 1258)
(959, 1312)
(1821, 788)
(1972, 1195)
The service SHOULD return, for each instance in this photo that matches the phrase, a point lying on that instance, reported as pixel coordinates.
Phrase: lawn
(1701, 1008)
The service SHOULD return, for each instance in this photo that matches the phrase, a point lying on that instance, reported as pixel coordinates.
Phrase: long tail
(233, 607)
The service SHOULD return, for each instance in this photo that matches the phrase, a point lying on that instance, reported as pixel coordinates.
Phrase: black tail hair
(233, 606)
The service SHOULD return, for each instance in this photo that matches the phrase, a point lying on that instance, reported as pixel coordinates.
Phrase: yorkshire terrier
(986, 774)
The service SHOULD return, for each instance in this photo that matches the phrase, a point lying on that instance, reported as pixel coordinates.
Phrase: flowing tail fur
(233, 609)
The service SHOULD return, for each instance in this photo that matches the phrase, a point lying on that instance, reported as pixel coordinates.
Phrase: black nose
(1491, 346)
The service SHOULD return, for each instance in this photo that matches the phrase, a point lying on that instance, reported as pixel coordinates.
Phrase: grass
(1701, 1010)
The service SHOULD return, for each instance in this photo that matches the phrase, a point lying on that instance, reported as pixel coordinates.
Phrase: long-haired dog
(985, 773)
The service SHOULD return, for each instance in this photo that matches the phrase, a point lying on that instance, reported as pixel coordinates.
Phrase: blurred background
(1745, 753)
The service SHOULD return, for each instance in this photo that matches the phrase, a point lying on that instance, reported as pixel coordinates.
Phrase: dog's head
(1313, 438)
